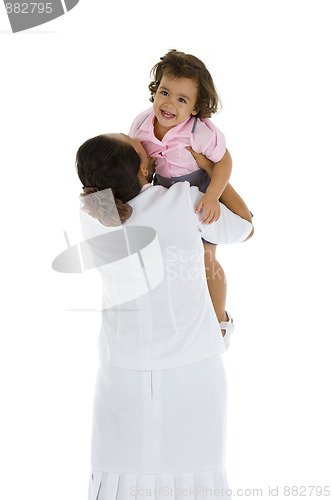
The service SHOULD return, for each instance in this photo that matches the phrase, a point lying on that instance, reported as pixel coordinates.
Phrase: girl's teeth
(168, 115)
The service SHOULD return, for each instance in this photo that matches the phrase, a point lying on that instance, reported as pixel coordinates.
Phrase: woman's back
(157, 312)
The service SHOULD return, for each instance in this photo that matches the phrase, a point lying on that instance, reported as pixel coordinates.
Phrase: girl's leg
(233, 201)
(216, 281)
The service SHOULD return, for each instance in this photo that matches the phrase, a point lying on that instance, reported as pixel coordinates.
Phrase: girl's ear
(195, 111)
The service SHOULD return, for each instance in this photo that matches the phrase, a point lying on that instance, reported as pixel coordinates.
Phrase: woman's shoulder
(159, 195)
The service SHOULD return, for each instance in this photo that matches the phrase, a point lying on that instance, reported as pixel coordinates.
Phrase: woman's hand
(151, 164)
(202, 161)
(211, 208)
(151, 168)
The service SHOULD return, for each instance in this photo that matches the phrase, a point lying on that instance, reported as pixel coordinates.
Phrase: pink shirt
(173, 160)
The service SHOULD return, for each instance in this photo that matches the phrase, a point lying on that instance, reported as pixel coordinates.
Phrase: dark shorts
(198, 178)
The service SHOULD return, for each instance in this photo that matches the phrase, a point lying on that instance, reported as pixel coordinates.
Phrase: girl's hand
(202, 161)
(211, 208)
(209, 202)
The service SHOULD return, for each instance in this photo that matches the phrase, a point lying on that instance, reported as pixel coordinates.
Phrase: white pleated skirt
(159, 434)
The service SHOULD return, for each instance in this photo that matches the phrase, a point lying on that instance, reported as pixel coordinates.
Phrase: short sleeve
(208, 140)
(229, 228)
(139, 120)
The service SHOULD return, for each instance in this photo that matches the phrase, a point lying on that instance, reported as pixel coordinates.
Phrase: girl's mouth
(168, 116)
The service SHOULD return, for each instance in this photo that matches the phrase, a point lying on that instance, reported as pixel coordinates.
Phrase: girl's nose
(171, 102)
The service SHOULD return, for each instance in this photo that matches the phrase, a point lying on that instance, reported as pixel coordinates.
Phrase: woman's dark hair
(180, 65)
(104, 162)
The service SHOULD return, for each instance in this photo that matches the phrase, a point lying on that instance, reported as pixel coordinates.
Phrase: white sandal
(228, 326)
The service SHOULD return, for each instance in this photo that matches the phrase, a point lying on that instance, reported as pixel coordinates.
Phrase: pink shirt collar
(185, 128)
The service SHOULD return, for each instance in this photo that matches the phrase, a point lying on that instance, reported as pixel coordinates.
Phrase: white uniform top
(157, 311)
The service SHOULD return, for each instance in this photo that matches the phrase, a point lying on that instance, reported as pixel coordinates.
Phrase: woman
(160, 396)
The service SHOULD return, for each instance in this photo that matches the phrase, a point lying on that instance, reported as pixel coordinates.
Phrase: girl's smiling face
(174, 101)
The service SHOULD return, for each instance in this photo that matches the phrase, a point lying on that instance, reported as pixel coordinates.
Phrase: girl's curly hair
(180, 65)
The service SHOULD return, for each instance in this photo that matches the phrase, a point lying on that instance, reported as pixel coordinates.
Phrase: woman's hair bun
(102, 205)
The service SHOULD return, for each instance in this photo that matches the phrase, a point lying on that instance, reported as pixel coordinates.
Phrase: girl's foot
(227, 327)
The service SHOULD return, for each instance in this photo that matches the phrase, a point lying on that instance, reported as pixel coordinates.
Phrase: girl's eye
(163, 92)
(182, 100)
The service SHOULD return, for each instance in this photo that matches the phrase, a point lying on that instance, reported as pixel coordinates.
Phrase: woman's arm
(229, 228)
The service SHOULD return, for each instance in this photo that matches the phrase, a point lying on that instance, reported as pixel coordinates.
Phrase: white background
(87, 73)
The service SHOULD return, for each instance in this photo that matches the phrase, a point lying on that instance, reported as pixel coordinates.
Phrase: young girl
(184, 97)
